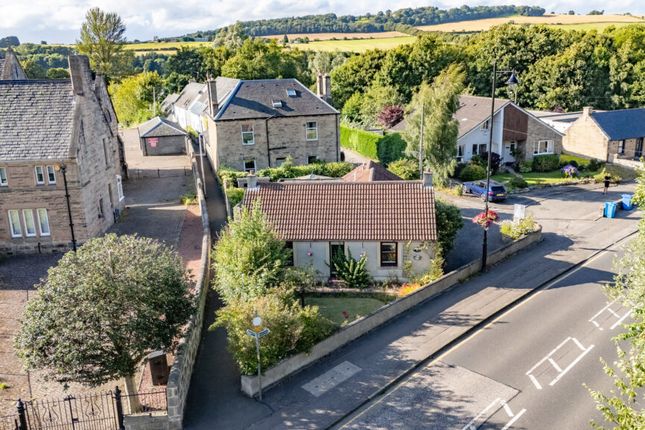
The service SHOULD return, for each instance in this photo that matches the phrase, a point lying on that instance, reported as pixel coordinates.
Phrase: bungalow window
(40, 175)
(51, 175)
(248, 136)
(3, 177)
(621, 147)
(312, 131)
(479, 149)
(249, 165)
(460, 153)
(43, 222)
(14, 224)
(30, 224)
(389, 254)
(289, 247)
(312, 159)
(485, 125)
(280, 160)
(543, 147)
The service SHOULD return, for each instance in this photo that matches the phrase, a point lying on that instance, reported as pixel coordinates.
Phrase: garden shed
(160, 136)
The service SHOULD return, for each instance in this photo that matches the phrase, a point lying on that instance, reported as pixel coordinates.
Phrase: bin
(610, 209)
(627, 202)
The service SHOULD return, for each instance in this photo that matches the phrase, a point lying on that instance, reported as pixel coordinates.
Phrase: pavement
(528, 375)
(573, 232)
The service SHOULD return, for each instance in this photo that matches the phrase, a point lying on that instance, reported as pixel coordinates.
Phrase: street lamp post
(63, 169)
(257, 333)
(512, 83)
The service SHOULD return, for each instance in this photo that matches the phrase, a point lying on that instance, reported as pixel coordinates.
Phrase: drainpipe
(266, 130)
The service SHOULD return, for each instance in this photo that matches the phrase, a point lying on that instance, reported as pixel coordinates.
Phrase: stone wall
(379, 317)
(286, 137)
(584, 138)
(536, 131)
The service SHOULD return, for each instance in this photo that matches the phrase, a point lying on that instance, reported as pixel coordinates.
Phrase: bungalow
(391, 222)
(613, 136)
(517, 133)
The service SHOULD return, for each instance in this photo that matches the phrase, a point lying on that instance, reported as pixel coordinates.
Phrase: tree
(102, 39)
(33, 69)
(449, 222)
(9, 41)
(249, 257)
(639, 193)
(103, 308)
(355, 75)
(434, 106)
(260, 59)
(285, 40)
(57, 73)
(137, 98)
(231, 37)
(375, 99)
(623, 407)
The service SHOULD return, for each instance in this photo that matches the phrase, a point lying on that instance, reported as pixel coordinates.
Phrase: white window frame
(39, 171)
(396, 257)
(254, 165)
(309, 128)
(13, 227)
(51, 175)
(549, 147)
(4, 180)
(486, 125)
(43, 218)
(246, 132)
(621, 147)
(119, 187)
(29, 213)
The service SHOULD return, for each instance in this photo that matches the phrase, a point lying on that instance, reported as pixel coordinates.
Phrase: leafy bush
(390, 115)
(390, 148)
(405, 168)
(293, 328)
(408, 288)
(472, 172)
(449, 222)
(188, 199)
(289, 171)
(595, 164)
(515, 230)
(525, 166)
(435, 271)
(234, 195)
(570, 171)
(614, 176)
(229, 175)
(518, 182)
(353, 273)
(546, 163)
(639, 193)
(478, 160)
(385, 149)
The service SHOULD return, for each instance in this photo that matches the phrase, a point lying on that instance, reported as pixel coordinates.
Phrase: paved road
(524, 370)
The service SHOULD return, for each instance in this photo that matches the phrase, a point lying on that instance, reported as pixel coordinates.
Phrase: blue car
(496, 192)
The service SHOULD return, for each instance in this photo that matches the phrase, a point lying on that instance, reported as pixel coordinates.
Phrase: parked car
(496, 191)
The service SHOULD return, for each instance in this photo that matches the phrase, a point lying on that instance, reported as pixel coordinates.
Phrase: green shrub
(289, 171)
(353, 273)
(405, 168)
(478, 160)
(573, 160)
(518, 182)
(614, 176)
(525, 166)
(434, 272)
(546, 163)
(472, 172)
(293, 328)
(515, 230)
(390, 148)
(188, 199)
(449, 222)
(230, 175)
(595, 164)
(234, 195)
(385, 149)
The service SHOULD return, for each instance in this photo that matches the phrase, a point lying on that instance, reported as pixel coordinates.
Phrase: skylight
(291, 92)
(277, 103)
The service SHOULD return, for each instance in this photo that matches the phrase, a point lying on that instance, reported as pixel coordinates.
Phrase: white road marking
(331, 378)
(617, 323)
(552, 362)
(498, 401)
(513, 419)
(471, 424)
(607, 308)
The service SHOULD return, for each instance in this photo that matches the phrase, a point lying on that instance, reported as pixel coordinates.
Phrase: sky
(59, 21)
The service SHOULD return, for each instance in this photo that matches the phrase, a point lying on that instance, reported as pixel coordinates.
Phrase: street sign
(259, 334)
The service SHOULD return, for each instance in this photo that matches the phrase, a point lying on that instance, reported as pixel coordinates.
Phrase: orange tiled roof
(370, 171)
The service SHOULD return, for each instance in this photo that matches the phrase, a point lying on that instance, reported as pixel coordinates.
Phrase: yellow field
(329, 36)
(355, 45)
(162, 46)
(578, 22)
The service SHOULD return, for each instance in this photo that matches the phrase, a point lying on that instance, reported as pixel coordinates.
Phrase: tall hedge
(385, 149)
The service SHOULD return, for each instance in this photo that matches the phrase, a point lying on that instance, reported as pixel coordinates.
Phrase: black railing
(155, 401)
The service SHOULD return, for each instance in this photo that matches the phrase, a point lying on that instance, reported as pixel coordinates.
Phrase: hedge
(385, 148)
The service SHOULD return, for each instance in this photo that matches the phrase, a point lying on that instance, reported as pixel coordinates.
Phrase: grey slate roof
(160, 127)
(36, 119)
(189, 94)
(621, 124)
(255, 98)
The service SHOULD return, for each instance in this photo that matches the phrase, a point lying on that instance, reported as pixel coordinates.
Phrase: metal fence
(134, 174)
(94, 411)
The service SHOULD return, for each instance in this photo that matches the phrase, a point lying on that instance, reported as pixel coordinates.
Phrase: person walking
(607, 179)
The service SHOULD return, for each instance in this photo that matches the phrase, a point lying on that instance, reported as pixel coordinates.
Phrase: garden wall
(385, 149)
(391, 310)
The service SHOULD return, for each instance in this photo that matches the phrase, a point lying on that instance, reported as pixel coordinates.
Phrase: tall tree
(231, 37)
(103, 308)
(102, 39)
(433, 108)
(137, 98)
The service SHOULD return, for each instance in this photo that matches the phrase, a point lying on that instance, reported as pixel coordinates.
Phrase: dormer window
(276, 103)
(291, 92)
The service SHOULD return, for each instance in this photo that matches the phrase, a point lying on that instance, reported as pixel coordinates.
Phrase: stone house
(10, 67)
(517, 133)
(393, 223)
(159, 136)
(55, 131)
(188, 106)
(612, 136)
(254, 124)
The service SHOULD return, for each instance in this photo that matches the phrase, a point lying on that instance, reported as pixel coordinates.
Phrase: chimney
(427, 180)
(327, 88)
(212, 97)
(251, 180)
(79, 70)
(587, 110)
(320, 88)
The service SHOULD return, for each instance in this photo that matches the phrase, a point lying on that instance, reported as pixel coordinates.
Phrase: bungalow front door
(638, 152)
(336, 250)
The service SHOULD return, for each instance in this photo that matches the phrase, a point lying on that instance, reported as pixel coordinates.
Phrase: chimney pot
(252, 180)
(427, 180)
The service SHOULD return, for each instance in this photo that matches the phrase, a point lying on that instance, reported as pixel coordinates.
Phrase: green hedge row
(385, 149)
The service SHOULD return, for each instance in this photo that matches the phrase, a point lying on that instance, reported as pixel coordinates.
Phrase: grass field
(329, 36)
(333, 307)
(577, 22)
(355, 45)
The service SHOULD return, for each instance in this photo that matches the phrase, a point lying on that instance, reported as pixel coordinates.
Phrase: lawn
(333, 307)
(540, 178)
(355, 45)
